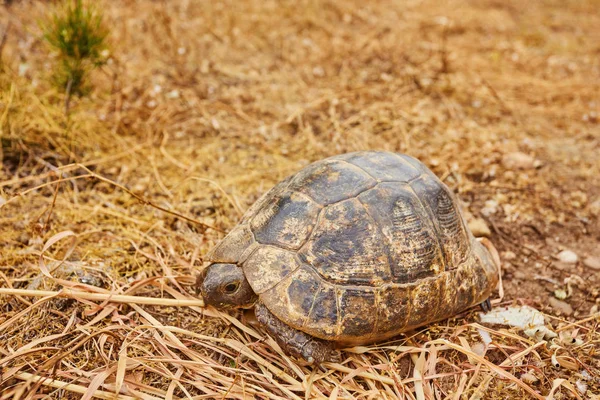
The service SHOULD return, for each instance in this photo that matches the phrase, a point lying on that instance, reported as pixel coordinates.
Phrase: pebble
(595, 207)
(518, 160)
(560, 294)
(479, 228)
(578, 199)
(562, 265)
(508, 255)
(567, 256)
(520, 275)
(560, 306)
(491, 207)
(592, 262)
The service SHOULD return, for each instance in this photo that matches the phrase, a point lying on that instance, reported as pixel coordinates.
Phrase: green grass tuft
(76, 31)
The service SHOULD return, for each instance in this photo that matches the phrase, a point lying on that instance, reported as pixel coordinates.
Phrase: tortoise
(352, 249)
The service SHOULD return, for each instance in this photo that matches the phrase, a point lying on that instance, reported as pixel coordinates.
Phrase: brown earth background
(204, 105)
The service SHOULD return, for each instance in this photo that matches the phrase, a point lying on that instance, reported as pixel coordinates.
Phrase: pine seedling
(76, 31)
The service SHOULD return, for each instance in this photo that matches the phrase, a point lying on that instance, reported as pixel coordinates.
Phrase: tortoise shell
(360, 247)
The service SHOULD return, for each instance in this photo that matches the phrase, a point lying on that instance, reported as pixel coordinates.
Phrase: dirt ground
(203, 106)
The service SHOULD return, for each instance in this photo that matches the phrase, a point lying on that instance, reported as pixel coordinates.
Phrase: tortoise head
(225, 286)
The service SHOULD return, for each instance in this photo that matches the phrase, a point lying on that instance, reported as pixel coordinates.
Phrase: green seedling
(75, 30)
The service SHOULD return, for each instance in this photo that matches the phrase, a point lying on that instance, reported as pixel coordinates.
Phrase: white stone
(560, 306)
(595, 207)
(560, 294)
(173, 94)
(518, 160)
(590, 262)
(479, 228)
(491, 207)
(567, 256)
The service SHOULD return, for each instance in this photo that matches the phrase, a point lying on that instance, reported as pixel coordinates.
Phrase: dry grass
(204, 106)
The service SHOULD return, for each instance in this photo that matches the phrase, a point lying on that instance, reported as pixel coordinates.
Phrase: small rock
(518, 160)
(509, 176)
(563, 266)
(595, 207)
(578, 199)
(491, 207)
(508, 255)
(567, 256)
(520, 275)
(592, 262)
(466, 213)
(560, 306)
(560, 294)
(479, 228)
(173, 94)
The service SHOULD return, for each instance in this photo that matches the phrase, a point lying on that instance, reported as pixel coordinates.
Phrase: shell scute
(323, 319)
(330, 181)
(384, 166)
(416, 164)
(267, 198)
(291, 300)
(347, 248)
(427, 302)
(232, 247)
(285, 221)
(357, 317)
(393, 309)
(410, 235)
(268, 266)
(451, 231)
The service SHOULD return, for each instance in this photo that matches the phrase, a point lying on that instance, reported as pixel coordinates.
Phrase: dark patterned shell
(360, 247)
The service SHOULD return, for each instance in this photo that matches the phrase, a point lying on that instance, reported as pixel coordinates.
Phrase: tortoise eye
(231, 287)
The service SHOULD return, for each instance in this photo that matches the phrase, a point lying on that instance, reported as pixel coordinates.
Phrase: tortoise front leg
(293, 341)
